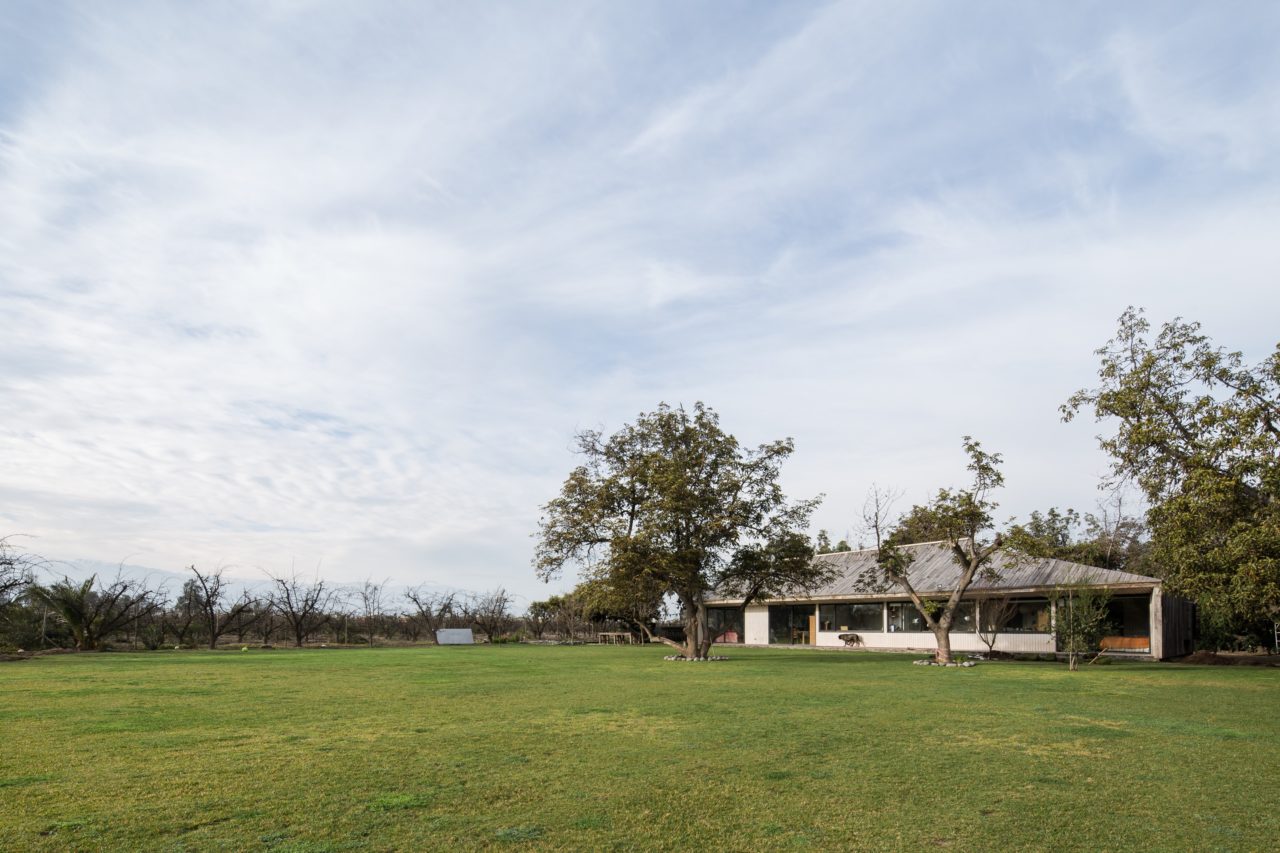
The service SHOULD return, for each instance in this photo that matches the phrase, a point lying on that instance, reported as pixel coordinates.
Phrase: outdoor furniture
(609, 638)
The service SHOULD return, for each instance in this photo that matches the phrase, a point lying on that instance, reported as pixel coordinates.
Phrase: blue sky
(331, 283)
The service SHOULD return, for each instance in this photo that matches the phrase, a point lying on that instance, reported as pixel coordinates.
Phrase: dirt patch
(1230, 659)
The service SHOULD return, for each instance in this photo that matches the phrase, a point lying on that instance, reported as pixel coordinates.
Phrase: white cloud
(320, 284)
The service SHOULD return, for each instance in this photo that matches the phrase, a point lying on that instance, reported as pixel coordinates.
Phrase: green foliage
(822, 544)
(674, 505)
(437, 749)
(1080, 621)
(1108, 540)
(1198, 430)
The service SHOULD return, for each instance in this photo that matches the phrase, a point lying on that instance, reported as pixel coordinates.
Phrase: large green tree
(672, 502)
(1198, 429)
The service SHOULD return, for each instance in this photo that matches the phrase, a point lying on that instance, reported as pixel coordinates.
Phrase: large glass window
(789, 624)
(903, 616)
(1030, 616)
(725, 624)
(1129, 616)
(851, 617)
(966, 619)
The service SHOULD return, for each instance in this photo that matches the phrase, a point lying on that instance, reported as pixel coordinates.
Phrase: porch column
(1156, 620)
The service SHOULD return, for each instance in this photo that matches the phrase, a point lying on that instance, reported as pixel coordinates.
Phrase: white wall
(960, 642)
(756, 625)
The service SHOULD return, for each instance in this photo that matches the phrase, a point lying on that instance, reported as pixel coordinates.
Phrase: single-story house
(859, 607)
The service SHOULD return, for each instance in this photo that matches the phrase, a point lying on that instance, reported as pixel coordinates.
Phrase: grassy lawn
(614, 748)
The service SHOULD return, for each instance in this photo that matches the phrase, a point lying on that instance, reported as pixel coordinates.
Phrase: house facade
(1015, 609)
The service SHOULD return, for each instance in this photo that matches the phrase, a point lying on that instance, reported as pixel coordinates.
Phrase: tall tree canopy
(1109, 539)
(674, 503)
(1198, 430)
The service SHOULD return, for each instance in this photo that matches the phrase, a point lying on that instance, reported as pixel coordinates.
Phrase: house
(1144, 620)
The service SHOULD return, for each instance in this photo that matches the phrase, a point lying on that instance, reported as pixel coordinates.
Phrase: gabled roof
(934, 570)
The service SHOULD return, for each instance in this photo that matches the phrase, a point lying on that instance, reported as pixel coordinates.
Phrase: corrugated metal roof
(934, 570)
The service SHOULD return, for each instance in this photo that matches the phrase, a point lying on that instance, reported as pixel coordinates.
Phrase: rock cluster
(682, 657)
(927, 662)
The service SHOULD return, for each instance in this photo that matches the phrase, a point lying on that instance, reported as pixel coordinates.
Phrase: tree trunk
(943, 637)
(697, 636)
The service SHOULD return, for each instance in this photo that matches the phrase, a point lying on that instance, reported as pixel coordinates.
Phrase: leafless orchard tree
(17, 571)
(179, 619)
(372, 607)
(302, 605)
(247, 613)
(433, 608)
(218, 618)
(343, 610)
(490, 612)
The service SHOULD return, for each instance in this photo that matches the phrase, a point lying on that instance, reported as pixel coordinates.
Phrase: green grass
(517, 747)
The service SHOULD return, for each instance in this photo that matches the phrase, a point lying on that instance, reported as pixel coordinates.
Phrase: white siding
(756, 625)
(960, 642)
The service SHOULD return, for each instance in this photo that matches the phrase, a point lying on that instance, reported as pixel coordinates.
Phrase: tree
(302, 605)
(93, 612)
(1080, 618)
(1109, 540)
(919, 524)
(218, 619)
(432, 608)
(1198, 430)
(996, 613)
(570, 615)
(675, 503)
(371, 606)
(538, 618)
(490, 612)
(16, 572)
(963, 518)
(185, 610)
(634, 600)
(822, 544)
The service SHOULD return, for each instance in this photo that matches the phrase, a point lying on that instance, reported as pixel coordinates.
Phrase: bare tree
(303, 606)
(93, 612)
(410, 626)
(213, 591)
(490, 612)
(245, 614)
(179, 619)
(267, 622)
(433, 608)
(16, 571)
(371, 606)
(572, 615)
(995, 613)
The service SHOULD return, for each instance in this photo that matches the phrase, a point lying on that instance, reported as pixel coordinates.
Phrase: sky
(330, 286)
